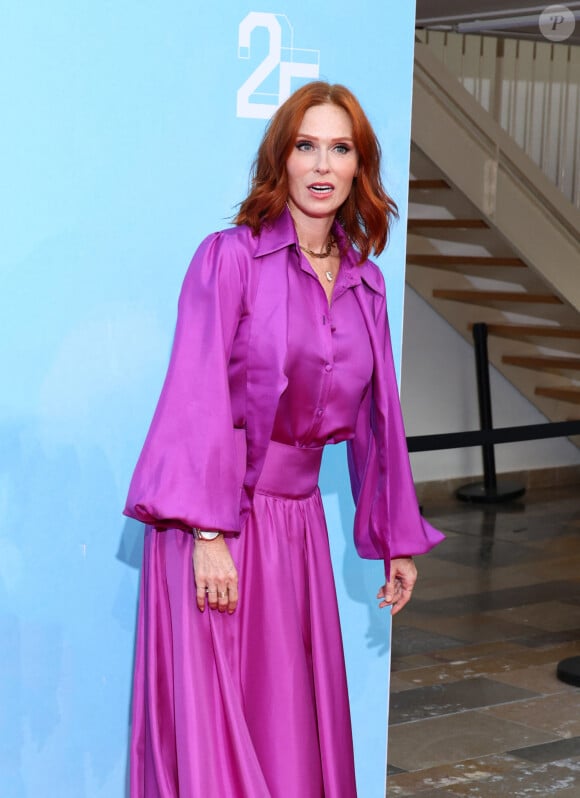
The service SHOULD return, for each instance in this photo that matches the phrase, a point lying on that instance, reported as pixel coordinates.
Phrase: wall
(121, 150)
(439, 394)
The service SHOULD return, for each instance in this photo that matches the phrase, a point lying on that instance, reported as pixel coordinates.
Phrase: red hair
(367, 211)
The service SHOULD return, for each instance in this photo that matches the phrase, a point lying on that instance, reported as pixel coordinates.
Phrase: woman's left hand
(397, 591)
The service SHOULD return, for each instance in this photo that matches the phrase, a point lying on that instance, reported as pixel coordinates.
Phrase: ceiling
(508, 18)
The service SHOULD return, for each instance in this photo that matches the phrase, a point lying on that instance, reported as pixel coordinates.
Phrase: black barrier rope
(458, 440)
(489, 491)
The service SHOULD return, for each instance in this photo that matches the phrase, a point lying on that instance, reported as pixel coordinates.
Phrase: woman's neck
(312, 233)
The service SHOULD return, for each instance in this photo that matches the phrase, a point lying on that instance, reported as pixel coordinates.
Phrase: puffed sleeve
(388, 523)
(188, 474)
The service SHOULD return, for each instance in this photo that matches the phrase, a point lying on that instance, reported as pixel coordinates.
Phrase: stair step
(561, 394)
(539, 362)
(484, 297)
(422, 185)
(463, 260)
(446, 224)
(532, 331)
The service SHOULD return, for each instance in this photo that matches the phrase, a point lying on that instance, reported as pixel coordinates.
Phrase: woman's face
(323, 163)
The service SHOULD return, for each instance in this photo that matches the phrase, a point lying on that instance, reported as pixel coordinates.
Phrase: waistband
(289, 471)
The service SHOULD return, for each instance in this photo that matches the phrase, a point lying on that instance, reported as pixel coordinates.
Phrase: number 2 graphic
(248, 107)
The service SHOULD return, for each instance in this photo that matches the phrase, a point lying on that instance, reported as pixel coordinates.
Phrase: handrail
(498, 143)
(523, 85)
(511, 193)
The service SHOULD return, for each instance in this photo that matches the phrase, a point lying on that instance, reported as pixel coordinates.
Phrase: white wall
(439, 394)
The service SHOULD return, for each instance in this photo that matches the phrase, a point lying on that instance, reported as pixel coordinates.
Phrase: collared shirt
(254, 345)
(329, 358)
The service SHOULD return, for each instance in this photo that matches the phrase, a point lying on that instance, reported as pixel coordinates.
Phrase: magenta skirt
(254, 704)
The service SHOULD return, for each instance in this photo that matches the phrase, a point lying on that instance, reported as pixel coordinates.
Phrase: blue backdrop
(128, 130)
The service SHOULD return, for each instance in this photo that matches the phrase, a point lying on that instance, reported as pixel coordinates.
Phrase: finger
(232, 598)
(388, 595)
(402, 600)
(222, 597)
(212, 597)
(200, 598)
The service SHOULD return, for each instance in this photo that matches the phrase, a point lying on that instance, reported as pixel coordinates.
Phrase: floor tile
(474, 627)
(556, 616)
(404, 662)
(550, 752)
(477, 650)
(549, 713)
(499, 599)
(408, 640)
(539, 679)
(453, 738)
(393, 771)
(397, 683)
(507, 669)
(445, 699)
(550, 639)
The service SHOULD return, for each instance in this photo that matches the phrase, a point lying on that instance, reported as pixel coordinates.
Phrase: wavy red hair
(368, 210)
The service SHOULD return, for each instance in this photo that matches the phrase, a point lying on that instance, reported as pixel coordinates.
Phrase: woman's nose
(322, 162)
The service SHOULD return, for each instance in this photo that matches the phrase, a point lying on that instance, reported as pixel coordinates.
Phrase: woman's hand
(397, 591)
(215, 575)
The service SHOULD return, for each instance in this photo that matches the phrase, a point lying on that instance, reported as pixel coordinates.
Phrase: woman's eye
(303, 146)
(342, 149)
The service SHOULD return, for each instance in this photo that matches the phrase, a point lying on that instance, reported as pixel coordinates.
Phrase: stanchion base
(568, 671)
(477, 492)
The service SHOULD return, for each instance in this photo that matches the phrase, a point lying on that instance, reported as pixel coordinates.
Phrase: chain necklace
(329, 244)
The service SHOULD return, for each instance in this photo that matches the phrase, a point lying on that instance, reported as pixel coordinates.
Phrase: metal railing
(531, 88)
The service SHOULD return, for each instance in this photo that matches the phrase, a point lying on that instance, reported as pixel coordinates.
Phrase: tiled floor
(476, 708)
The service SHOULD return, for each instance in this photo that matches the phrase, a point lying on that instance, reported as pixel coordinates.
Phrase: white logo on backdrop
(254, 100)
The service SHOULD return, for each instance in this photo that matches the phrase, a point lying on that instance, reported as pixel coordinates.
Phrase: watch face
(201, 534)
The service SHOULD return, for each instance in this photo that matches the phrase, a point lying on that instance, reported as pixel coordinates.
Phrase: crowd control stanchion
(489, 491)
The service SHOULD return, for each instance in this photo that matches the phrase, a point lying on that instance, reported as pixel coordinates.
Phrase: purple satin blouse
(257, 347)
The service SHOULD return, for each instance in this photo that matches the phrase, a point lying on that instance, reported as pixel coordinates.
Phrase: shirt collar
(281, 233)
(276, 234)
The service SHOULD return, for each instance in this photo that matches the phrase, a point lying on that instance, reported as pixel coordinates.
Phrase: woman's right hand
(215, 575)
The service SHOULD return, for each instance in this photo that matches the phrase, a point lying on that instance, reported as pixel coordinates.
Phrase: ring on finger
(223, 594)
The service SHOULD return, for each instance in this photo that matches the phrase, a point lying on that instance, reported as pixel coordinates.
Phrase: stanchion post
(488, 491)
(484, 401)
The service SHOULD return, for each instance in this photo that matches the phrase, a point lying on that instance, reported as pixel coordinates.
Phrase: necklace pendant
(329, 276)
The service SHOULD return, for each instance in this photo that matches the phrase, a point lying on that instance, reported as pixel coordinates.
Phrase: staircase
(492, 239)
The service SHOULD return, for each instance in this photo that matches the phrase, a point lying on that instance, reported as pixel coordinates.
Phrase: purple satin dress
(255, 704)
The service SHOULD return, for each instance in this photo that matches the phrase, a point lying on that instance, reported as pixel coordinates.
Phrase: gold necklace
(325, 254)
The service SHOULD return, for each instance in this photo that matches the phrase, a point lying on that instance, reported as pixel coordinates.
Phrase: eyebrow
(315, 138)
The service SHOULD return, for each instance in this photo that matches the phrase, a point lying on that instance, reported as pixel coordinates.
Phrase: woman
(281, 346)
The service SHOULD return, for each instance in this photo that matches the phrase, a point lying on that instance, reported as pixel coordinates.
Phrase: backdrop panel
(127, 135)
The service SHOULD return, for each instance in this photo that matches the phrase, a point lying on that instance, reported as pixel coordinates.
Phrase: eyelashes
(303, 145)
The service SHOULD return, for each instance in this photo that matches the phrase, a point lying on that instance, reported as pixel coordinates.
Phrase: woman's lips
(321, 189)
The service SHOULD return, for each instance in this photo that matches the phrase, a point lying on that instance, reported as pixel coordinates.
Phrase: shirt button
(328, 367)
(319, 412)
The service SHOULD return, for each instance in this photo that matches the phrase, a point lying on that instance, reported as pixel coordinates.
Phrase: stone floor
(476, 708)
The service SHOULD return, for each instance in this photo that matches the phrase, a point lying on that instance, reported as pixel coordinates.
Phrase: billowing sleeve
(388, 523)
(188, 474)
